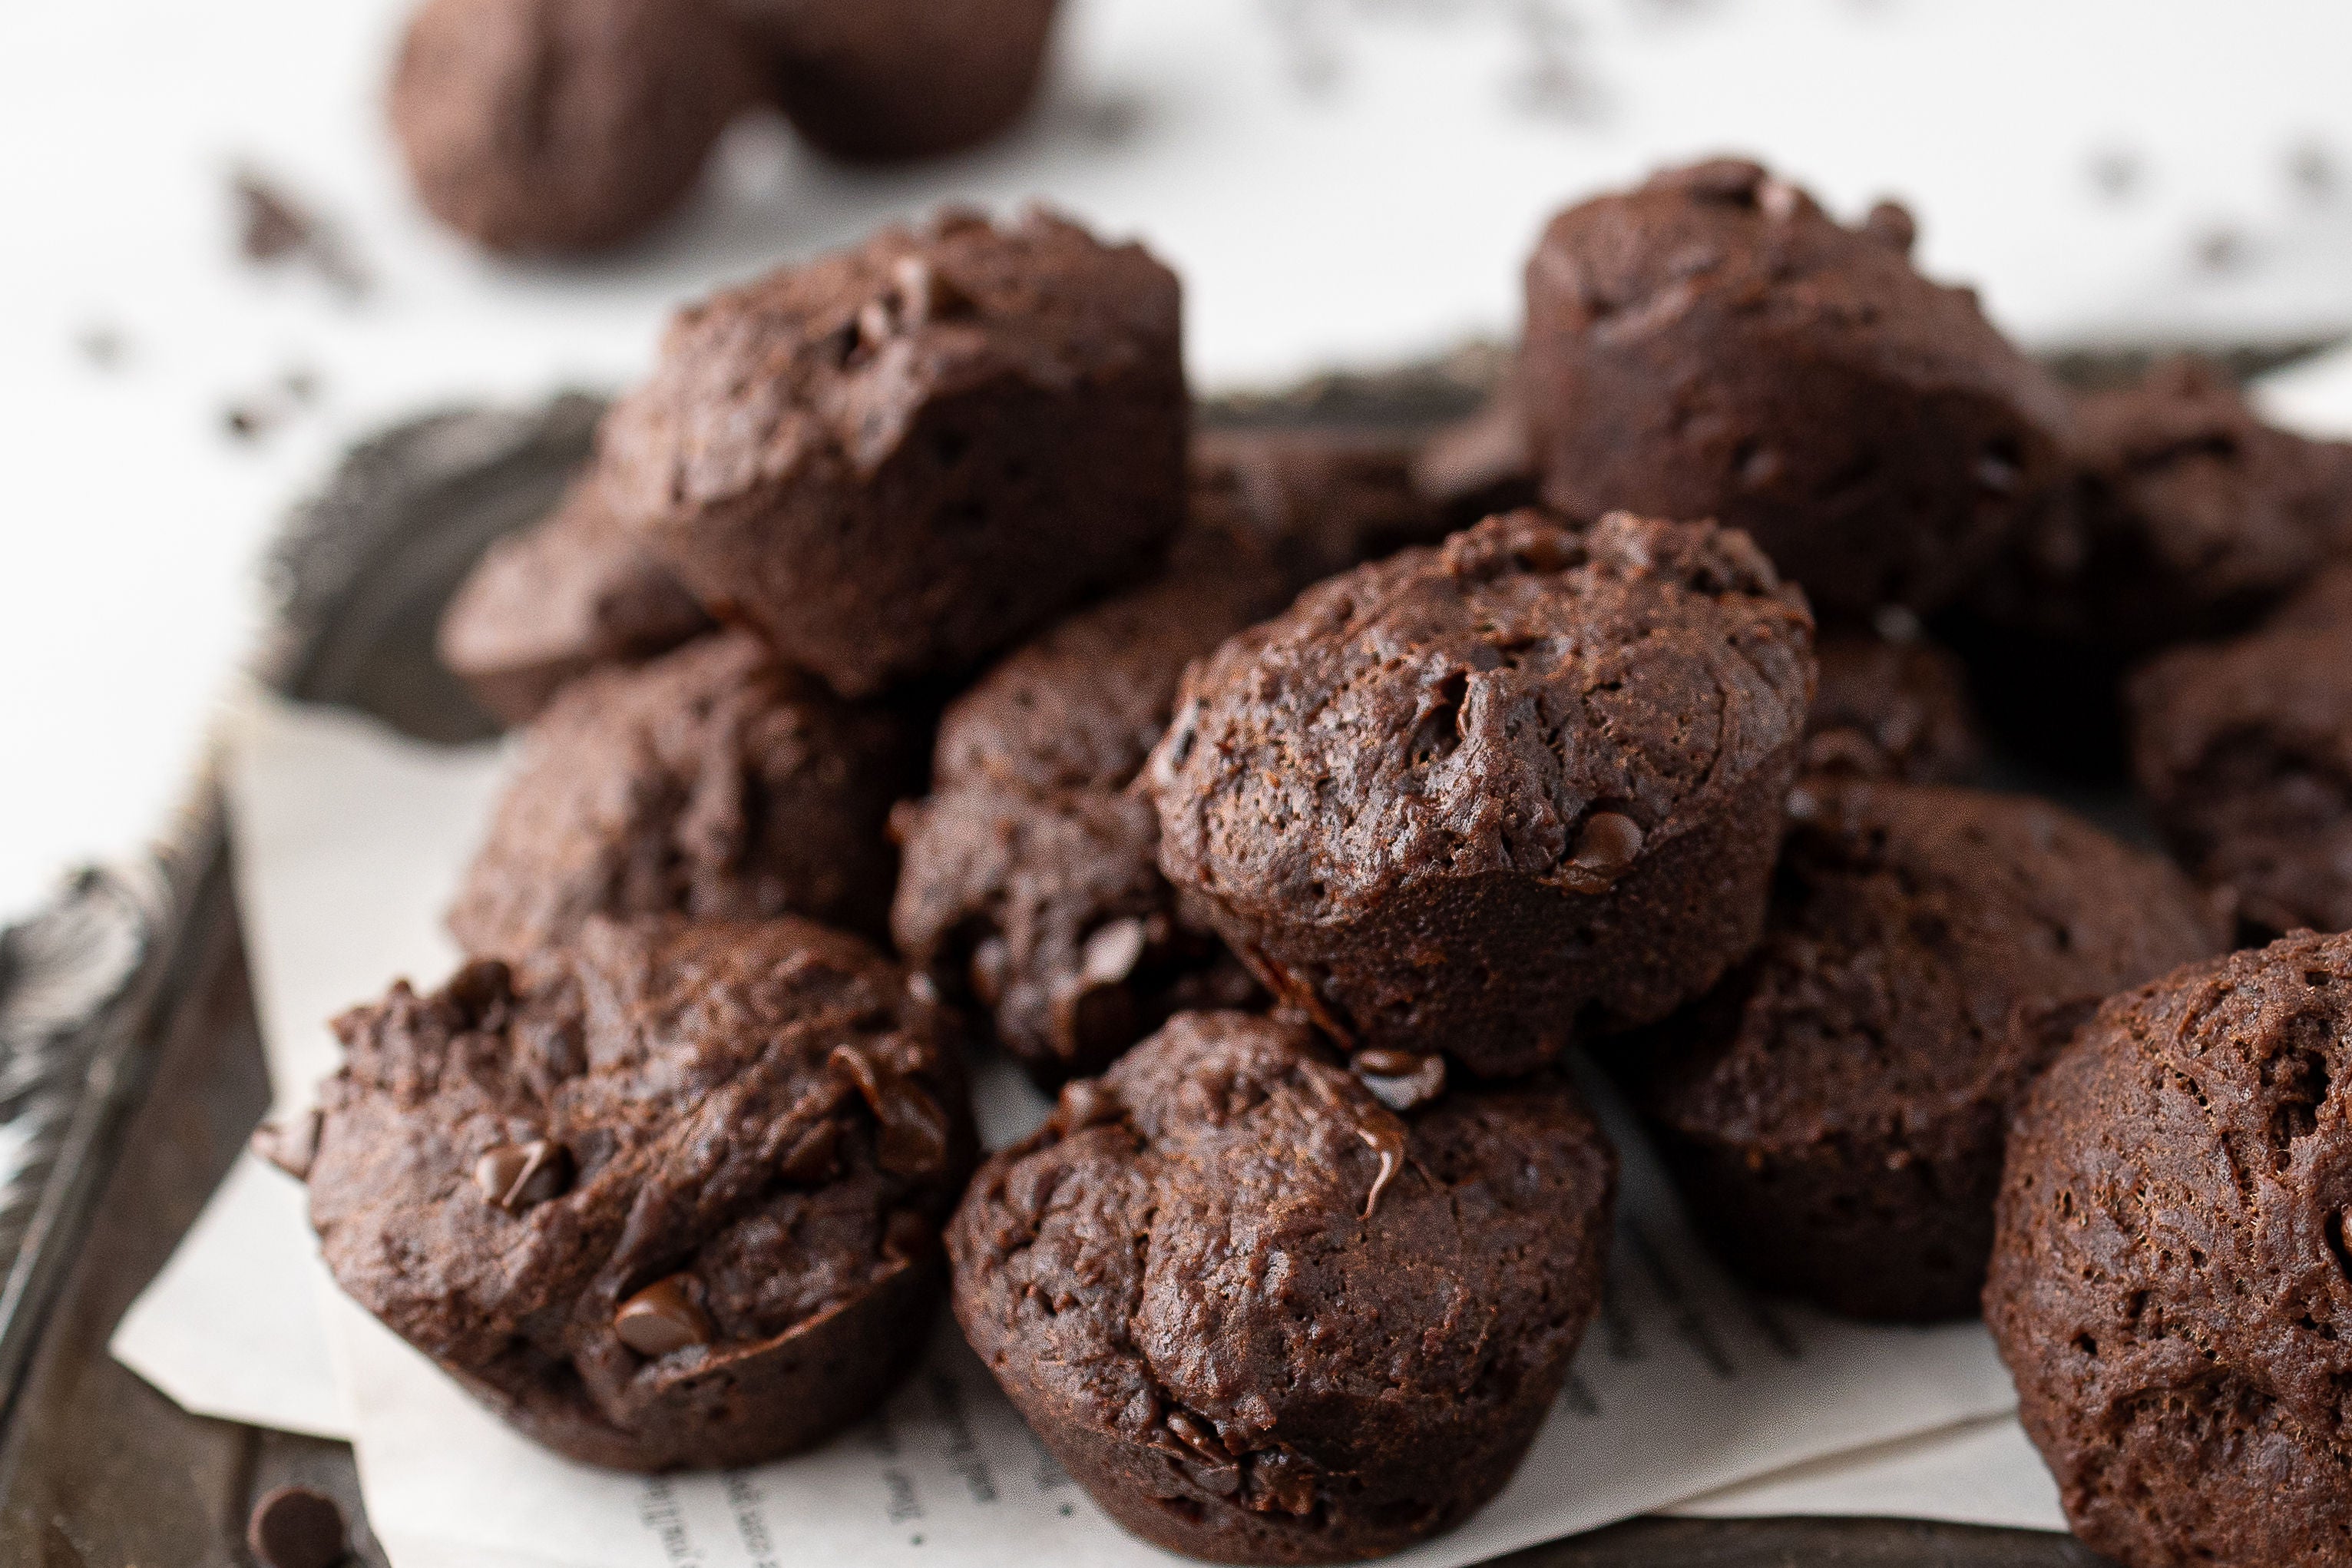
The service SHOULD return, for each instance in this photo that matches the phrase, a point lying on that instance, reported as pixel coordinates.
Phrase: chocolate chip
(292, 1145)
(517, 1176)
(991, 961)
(1282, 1483)
(294, 1527)
(925, 293)
(876, 323)
(1402, 1080)
(1095, 1020)
(662, 1318)
(1891, 222)
(914, 1129)
(1084, 1102)
(1606, 847)
(907, 1236)
(1199, 1436)
(811, 1159)
(1384, 1136)
(1780, 201)
(1722, 179)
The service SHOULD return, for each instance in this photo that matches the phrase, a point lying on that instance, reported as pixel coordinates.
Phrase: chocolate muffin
(1319, 500)
(896, 460)
(668, 1198)
(1261, 1316)
(1712, 344)
(1497, 793)
(1834, 1113)
(1891, 705)
(1031, 882)
(713, 782)
(2190, 518)
(546, 606)
(2243, 751)
(536, 126)
(871, 79)
(2170, 1286)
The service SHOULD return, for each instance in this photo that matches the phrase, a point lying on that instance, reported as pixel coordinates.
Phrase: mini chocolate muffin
(1319, 500)
(2170, 1286)
(873, 79)
(535, 126)
(2243, 751)
(670, 1197)
(1891, 705)
(1834, 1113)
(712, 782)
(545, 607)
(1498, 793)
(1712, 344)
(1030, 882)
(896, 460)
(1262, 1317)
(1482, 464)
(2191, 518)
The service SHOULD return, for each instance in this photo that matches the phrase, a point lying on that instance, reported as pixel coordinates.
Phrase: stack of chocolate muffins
(1293, 824)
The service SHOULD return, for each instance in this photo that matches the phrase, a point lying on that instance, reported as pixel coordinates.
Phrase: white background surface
(1342, 181)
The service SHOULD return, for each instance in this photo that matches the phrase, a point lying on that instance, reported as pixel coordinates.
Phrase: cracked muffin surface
(1497, 793)
(1262, 1317)
(2171, 1285)
(668, 1197)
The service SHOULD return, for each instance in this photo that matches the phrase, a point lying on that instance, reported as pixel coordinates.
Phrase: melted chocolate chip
(517, 1176)
(907, 1235)
(1402, 1080)
(1384, 1135)
(662, 1318)
(925, 293)
(811, 1159)
(1606, 847)
(914, 1129)
(1281, 1482)
(1084, 1102)
(294, 1527)
(292, 1146)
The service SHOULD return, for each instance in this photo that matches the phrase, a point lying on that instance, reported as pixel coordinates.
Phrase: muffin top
(823, 367)
(758, 1118)
(713, 782)
(1500, 704)
(1228, 1245)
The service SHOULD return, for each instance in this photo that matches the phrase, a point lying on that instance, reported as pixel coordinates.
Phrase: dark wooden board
(96, 1469)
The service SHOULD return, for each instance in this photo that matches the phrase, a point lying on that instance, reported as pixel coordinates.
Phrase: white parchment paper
(349, 841)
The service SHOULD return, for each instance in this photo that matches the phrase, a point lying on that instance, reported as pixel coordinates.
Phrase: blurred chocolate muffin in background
(1891, 705)
(545, 607)
(878, 79)
(548, 126)
(2188, 518)
(1711, 345)
(1317, 500)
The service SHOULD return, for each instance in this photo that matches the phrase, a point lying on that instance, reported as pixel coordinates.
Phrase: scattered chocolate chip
(1383, 1135)
(811, 1159)
(292, 1145)
(914, 1129)
(102, 345)
(517, 1176)
(273, 227)
(1402, 1080)
(246, 421)
(662, 1318)
(294, 1527)
(1084, 1102)
(907, 1235)
(2115, 174)
(2311, 167)
(1606, 847)
(1891, 222)
(2221, 249)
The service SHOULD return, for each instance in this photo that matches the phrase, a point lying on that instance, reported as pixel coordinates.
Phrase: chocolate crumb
(274, 230)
